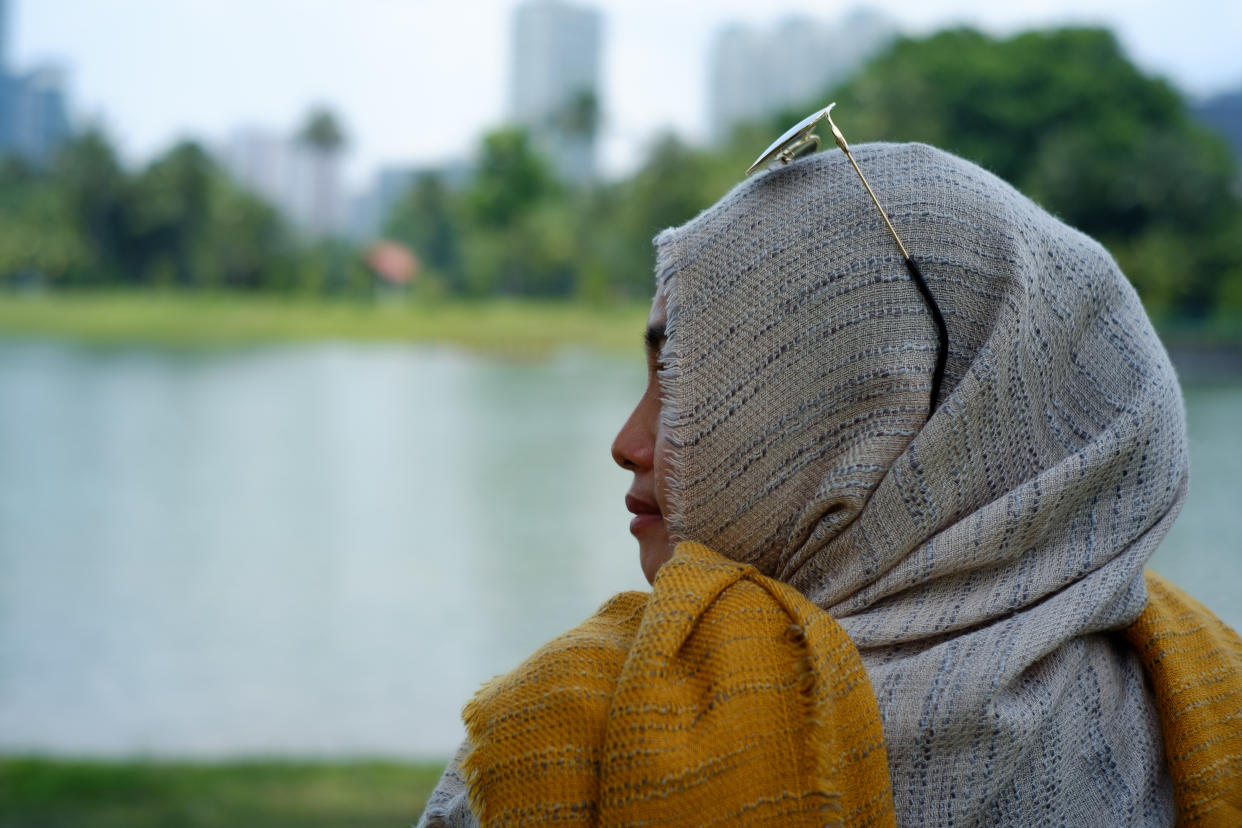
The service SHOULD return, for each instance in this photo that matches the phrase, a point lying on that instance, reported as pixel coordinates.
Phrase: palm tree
(322, 131)
(324, 137)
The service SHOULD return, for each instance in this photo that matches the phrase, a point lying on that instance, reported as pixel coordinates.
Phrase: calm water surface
(324, 549)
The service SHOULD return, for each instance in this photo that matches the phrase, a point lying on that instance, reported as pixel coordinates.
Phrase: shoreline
(509, 327)
(1206, 362)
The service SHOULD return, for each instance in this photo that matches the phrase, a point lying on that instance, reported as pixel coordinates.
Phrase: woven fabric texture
(978, 558)
(1194, 663)
(723, 698)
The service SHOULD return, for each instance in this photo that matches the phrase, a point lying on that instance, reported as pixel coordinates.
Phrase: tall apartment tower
(303, 183)
(4, 37)
(755, 73)
(554, 82)
(34, 116)
(9, 89)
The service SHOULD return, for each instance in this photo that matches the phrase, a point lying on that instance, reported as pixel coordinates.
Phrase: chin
(652, 555)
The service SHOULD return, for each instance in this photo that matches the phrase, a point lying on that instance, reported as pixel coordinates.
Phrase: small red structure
(393, 262)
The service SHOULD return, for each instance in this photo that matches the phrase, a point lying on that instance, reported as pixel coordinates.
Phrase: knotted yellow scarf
(723, 698)
(1194, 663)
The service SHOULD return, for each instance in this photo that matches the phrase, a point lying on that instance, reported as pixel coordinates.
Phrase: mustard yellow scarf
(1194, 663)
(723, 698)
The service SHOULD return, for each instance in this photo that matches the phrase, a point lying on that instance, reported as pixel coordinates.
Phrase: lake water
(323, 550)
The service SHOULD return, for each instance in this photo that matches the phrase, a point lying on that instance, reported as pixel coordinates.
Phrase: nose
(633, 449)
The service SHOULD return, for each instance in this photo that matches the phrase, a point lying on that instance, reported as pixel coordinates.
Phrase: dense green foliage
(1067, 119)
(178, 223)
(35, 792)
(1063, 115)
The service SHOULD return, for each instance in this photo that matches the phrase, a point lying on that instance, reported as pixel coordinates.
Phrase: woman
(970, 551)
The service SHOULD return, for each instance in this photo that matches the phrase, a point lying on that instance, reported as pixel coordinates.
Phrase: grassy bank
(516, 327)
(524, 327)
(50, 794)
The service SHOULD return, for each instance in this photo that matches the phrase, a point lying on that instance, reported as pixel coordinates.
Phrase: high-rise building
(554, 82)
(755, 73)
(317, 194)
(4, 36)
(39, 117)
(259, 160)
(302, 182)
(34, 117)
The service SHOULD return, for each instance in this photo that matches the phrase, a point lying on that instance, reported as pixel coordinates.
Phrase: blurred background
(317, 319)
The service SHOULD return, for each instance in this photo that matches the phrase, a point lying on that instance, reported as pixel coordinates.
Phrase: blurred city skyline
(418, 83)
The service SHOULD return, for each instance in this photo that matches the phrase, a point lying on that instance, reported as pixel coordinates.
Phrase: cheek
(662, 468)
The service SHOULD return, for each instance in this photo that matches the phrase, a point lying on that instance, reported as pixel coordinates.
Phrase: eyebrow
(654, 337)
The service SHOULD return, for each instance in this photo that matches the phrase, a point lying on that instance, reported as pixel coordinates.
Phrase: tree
(510, 179)
(322, 131)
(171, 211)
(1068, 119)
(427, 219)
(39, 241)
(98, 198)
(518, 223)
(245, 244)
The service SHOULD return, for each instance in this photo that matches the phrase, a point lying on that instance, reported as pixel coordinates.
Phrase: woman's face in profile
(635, 449)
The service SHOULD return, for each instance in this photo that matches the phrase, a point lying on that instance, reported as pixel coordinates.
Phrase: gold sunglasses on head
(799, 140)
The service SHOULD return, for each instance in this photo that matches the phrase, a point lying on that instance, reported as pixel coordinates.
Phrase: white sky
(417, 81)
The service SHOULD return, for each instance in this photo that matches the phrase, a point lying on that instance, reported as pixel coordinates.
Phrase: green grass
(520, 327)
(40, 793)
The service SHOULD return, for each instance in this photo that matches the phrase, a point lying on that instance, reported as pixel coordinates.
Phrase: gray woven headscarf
(977, 559)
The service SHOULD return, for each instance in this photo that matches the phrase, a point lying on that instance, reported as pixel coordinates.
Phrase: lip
(639, 506)
(646, 513)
